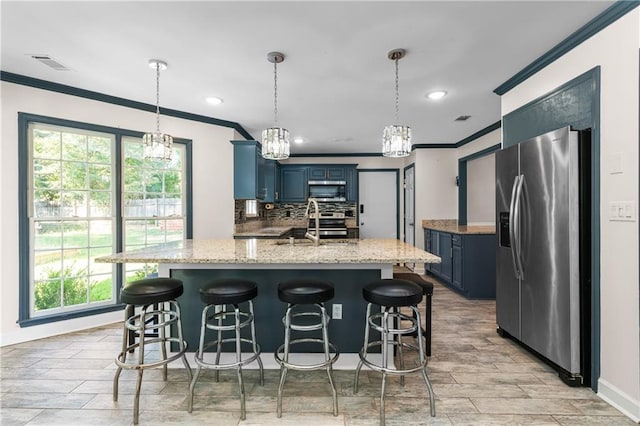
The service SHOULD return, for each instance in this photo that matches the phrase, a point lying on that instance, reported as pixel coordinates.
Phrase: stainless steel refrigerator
(542, 259)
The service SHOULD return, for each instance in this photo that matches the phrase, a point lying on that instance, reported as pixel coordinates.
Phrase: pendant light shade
(275, 140)
(157, 145)
(396, 139)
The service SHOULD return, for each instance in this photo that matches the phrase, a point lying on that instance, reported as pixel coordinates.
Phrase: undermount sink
(306, 242)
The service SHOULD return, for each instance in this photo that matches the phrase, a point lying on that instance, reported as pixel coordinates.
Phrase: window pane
(133, 179)
(134, 231)
(74, 204)
(152, 181)
(100, 234)
(99, 150)
(74, 175)
(155, 232)
(47, 265)
(46, 174)
(101, 288)
(46, 144)
(99, 267)
(75, 290)
(174, 230)
(173, 182)
(100, 204)
(47, 235)
(139, 271)
(75, 234)
(46, 294)
(74, 147)
(99, 176)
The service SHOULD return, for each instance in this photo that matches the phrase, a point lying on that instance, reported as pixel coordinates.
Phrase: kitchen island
(348, 264)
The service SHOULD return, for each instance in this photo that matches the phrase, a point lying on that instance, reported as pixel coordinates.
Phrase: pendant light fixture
(396, 139)
(275, 140)
(157, 145)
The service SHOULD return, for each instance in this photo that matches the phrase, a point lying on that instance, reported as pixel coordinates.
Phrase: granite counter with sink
(348, 264)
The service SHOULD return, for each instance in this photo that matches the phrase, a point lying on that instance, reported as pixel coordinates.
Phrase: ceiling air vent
(50, 62)
(463, 118)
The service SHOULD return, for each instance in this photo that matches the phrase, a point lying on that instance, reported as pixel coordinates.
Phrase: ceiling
(336, 86)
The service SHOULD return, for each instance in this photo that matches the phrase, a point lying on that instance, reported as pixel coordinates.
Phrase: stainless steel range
(331, 224)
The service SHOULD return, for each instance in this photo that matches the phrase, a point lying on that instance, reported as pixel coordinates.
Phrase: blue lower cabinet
(468, 262)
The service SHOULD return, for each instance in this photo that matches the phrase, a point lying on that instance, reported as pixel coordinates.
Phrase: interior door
(378, 203)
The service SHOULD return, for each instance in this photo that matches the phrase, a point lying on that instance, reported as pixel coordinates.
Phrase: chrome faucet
(315, 238)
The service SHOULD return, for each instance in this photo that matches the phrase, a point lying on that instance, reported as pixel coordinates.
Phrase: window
(86, 192)
(154, 208)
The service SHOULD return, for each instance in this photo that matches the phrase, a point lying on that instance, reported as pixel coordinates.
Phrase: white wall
(615, 50)
(481, 191)
(212, 191)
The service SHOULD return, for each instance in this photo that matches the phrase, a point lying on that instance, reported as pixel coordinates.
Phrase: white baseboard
(26, 334)
(620, 400)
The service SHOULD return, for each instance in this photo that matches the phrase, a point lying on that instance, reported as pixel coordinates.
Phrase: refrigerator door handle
(512, 236)
(517, 233)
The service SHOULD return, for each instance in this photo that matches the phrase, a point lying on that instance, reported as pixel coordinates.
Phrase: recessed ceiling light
(436, 94)
(214, 101)
(298, 140)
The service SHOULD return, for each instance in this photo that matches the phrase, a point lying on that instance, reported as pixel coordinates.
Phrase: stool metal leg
(243, 411)
(398, 338)
(163, 345)
(222, 313)
(203, 329)
(432, 403)
(283, 369)
(325, 338)
(365, 346)
(255, 344)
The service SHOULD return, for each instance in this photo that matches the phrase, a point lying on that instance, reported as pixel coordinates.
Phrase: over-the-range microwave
(328, 190)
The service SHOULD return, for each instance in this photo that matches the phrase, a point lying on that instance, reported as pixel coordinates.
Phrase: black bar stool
(217, 295)
(427, 288)
(306, 292)
(160, 309)
(391, 294)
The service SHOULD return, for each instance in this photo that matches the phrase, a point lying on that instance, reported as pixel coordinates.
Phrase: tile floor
(478, 377)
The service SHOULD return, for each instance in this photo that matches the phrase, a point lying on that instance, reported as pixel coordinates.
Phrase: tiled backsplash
(286, 214)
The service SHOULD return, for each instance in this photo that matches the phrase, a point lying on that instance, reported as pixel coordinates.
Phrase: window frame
(24, 229)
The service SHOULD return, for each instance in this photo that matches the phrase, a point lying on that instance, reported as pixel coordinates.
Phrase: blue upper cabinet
(271, 181)
(248, 171)
(327, 173)
(293, 183)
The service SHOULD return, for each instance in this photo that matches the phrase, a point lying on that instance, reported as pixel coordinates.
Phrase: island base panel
(346, 333)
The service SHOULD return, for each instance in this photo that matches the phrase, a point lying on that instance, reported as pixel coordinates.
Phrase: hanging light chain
(397, 94)
(275, 92)
(158, 97)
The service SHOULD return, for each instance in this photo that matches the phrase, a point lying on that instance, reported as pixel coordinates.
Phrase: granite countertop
(454, 228)
(230, 251)
(271, 231)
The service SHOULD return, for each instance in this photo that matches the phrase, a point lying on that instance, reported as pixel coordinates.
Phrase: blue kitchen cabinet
(329, 172)
(271, 174)
(468, 262)
(456, 261)
(352, 183)
(293, 183)
(248, 171)
(445, 253)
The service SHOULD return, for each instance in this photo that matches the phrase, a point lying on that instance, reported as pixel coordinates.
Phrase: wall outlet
(336, 311)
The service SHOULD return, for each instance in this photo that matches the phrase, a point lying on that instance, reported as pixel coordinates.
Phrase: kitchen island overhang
(348, 264)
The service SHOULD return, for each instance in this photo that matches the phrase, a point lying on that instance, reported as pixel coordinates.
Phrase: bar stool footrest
(333, 356)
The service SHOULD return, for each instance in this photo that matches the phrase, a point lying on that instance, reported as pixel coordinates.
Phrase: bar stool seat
(160, 309)
(306, 292)
(217, 295)
(390, 295)
(427, 288)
